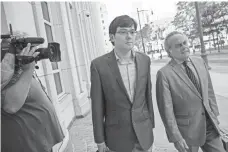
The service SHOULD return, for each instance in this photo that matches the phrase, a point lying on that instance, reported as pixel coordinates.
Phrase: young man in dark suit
(122, 109)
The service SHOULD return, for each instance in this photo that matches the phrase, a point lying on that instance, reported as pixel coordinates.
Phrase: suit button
(203, 113)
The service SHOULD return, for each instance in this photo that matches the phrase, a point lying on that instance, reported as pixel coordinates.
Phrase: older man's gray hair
(166, 41)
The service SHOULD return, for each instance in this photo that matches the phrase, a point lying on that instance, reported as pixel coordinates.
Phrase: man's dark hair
(121, 21)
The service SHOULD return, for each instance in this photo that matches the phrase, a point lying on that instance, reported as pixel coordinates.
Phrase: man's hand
(27, 51)
(181, 145)
(102, 147)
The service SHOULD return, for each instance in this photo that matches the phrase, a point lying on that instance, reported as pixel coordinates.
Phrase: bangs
(122, 21)
(127, 22)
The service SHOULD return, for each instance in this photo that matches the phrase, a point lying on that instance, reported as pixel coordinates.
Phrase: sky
(161, 9)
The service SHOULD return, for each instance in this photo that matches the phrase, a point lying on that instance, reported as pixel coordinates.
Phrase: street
(81, 132)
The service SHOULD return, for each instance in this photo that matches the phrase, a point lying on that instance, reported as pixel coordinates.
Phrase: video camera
(14, 45)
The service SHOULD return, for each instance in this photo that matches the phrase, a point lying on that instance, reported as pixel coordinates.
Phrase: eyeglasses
(179, 45)
(132, 32)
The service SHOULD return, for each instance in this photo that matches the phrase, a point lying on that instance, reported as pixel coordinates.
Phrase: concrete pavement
(81, 132)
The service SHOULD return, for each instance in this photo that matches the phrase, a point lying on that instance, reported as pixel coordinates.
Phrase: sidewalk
(81, 132)
(81, 137)
(219, 81)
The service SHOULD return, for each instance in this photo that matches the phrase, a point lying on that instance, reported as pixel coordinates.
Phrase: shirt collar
(132, 55)
(180, 62)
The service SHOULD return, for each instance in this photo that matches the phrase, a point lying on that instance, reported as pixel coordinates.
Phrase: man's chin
(186, 54)
(182, 58)
(129, 48)
(186, 57)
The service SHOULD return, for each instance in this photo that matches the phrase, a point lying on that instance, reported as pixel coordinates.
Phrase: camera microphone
(32, 40)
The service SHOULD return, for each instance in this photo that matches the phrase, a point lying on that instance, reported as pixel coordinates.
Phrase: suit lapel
(116, 72)
(139, 66)
(181, 73)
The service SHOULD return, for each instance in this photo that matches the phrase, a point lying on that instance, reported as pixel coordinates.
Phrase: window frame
(58, 70)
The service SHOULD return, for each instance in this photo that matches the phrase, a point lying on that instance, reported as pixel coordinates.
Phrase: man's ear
(111, 37)
(169, 52)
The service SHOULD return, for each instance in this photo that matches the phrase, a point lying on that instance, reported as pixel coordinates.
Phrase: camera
(14, 45)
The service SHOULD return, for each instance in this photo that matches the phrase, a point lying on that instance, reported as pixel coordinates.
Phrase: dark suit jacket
(181, 106)
(116, 120)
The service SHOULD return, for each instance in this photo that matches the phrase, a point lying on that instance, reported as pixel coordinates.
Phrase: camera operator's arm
(7, 69)
(14, 96)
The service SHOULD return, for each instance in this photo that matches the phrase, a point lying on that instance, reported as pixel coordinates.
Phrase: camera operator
(28, 118)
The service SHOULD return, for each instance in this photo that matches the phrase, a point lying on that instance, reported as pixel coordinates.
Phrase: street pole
(203, 51)
(141, 32)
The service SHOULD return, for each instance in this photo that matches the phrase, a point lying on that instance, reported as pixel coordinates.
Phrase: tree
(146, 34)
(224, 16)
(138, 40)
(185, 19)
(213, 16)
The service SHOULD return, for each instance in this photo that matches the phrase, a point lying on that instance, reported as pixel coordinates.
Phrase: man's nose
(129, 35)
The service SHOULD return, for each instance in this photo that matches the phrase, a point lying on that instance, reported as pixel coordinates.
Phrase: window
(4, 26)
(55, 65)
(102, 21)
(48, 32)
(50, 39)
(44, 6)
(58, 83)
(104, 27)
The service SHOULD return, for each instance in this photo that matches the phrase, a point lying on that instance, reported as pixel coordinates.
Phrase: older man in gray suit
(186, 99)
(122, 109)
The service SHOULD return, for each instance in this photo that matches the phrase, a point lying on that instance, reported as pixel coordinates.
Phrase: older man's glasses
(183, 44)
(132, 32)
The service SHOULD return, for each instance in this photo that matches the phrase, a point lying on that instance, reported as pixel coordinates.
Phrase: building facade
(76, 26)
(105, 26)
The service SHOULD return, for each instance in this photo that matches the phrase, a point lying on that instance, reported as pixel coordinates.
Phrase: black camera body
(12, 44)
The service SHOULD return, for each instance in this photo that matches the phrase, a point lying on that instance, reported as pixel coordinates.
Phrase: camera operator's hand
(27, 51)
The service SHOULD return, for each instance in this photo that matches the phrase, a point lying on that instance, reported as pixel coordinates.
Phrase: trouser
(214, 145)
(213, 140)
(138, 148)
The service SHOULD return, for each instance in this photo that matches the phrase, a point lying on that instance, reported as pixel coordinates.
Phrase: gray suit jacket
(181, 106)
(116, 120)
